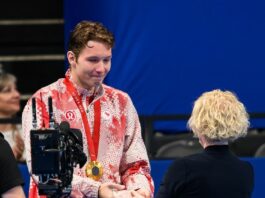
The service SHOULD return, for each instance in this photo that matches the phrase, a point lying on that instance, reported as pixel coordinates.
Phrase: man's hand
(145, 193)
(111, 190)
(107, 190)
(126, 194)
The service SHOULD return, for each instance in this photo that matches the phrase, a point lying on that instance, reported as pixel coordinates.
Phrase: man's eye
(93, 60)
(107, 60)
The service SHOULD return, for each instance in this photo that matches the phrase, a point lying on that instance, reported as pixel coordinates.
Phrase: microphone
(64, 127)
(34, 115)
(74, 133)
(74, 137)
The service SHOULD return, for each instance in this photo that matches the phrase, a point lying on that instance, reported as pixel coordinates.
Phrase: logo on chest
(70, 115)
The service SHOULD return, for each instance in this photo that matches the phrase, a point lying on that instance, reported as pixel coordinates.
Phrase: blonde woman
(218, 117)
(9, 106)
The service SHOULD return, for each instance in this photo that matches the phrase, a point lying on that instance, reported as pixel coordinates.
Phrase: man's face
(92, 65)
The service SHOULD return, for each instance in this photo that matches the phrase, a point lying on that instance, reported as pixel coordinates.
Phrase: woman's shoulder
(4, 145)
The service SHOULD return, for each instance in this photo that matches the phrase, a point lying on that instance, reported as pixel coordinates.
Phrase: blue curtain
(168, 52)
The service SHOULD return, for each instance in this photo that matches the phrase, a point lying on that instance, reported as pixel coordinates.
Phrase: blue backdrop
(168, 52)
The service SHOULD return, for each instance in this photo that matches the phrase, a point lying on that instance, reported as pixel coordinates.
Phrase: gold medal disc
(94, 170)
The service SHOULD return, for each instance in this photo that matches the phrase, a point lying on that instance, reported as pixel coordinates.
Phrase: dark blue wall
(168, 52)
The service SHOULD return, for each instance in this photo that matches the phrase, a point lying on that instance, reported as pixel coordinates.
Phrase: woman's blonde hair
(219, 116)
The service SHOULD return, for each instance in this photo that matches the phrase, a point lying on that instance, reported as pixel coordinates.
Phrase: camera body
(54, 154)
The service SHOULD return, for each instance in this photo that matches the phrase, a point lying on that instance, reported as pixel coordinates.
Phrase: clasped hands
(111, 190)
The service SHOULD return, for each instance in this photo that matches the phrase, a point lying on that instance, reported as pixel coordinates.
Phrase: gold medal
(94, 170)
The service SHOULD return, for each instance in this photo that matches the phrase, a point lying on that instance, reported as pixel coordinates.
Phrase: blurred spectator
(9, 107)
(10, 178)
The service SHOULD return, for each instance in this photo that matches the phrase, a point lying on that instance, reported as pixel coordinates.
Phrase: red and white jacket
(121, 149)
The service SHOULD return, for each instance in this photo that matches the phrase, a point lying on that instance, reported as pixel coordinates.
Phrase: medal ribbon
(92, 142)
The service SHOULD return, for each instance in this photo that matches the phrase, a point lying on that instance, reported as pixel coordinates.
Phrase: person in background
(217, 118)
(9, 107)
(106, 116)
(11, 180)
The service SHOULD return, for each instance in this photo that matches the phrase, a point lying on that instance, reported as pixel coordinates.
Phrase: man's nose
(101, 66)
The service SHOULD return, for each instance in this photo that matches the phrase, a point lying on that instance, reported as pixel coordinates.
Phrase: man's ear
(71, 58)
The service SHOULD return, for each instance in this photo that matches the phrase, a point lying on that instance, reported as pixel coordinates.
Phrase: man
(106, 116)
(10, 178)
(217, 118)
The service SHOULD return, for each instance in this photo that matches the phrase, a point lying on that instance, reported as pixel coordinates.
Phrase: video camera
(54, 153)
